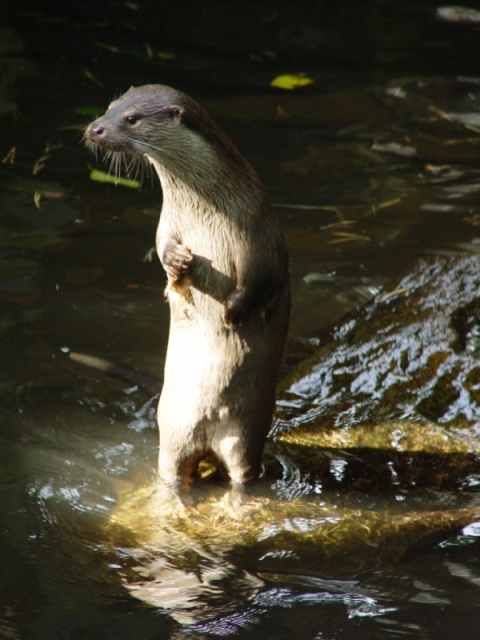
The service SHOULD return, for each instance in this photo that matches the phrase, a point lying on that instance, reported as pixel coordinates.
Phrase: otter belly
(218, 393)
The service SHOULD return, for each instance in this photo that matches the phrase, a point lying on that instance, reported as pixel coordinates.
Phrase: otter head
(141, 120)
(167, 127)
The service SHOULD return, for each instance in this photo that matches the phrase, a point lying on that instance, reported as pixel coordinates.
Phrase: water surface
(373, 166)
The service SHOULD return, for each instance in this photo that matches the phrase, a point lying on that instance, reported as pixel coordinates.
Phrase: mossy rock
(412, 353)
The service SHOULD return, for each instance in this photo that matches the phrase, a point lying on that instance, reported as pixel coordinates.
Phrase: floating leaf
(10, 157)
(101, 176)
(391, 294)
(40, 164)
(290, 82)
(165, 55)
(88, 111)
(470, 121)
(458, 14)
(389, 203)
(397, 149)
(91, 77)
(342, 236)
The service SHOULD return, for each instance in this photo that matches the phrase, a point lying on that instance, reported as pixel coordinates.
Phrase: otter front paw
(235, 307)
(176, 260)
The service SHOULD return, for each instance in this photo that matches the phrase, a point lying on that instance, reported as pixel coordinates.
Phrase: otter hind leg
(179, 468)
(234, 446)
(241, 461)
(176, 467)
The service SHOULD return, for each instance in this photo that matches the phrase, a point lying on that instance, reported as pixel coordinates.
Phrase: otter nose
(97, 130)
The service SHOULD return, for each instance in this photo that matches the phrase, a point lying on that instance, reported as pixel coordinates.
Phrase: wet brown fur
(228, 284)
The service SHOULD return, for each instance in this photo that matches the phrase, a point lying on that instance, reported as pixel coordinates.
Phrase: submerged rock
(189, 564)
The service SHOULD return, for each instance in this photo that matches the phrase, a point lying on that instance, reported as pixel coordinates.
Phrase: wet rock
(410, 355)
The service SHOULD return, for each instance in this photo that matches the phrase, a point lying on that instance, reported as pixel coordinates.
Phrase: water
(373, 166)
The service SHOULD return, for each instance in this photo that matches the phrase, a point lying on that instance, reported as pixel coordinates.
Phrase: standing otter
(228, 285)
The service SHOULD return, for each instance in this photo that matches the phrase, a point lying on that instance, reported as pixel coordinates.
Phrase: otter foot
(236, 505)
(170, 501)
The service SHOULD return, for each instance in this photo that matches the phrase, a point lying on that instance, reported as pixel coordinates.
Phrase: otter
(228, 288)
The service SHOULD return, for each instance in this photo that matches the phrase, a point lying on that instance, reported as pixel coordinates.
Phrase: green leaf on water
(165, 55)
(101, 176)
(89, 111)
(290, 81)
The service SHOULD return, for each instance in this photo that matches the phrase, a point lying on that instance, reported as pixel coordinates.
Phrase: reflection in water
(187, 564)
(209, 588)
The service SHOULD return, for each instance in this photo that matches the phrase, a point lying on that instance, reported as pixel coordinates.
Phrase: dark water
(375, 164)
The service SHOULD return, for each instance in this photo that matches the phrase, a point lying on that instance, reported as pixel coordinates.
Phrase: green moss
(441, 396)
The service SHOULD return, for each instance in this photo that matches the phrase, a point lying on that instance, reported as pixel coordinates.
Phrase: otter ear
(178, 114)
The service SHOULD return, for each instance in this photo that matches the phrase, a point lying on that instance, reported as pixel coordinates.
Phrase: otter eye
(131, 119)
